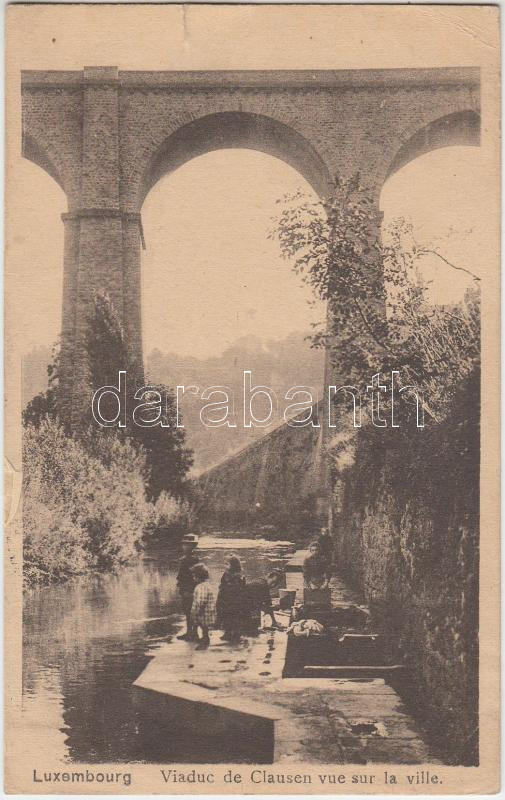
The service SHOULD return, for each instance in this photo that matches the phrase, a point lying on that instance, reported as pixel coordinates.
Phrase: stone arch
(459, 128)
(107, 135)
(236, 129)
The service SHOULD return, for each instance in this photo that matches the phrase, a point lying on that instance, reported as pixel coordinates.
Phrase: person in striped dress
(203, 611)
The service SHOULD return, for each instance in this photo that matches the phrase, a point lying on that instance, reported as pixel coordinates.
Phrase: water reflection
(84, 645)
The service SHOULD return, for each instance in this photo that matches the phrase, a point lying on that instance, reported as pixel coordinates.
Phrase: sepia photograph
(252, 399)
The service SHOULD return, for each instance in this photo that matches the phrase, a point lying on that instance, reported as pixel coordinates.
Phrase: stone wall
(406, 529)
(277, 484)
(406, 522)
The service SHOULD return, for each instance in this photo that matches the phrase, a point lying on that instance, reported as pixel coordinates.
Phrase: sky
(206, 228)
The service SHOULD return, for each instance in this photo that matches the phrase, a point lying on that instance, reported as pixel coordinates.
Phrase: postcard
(252, 281)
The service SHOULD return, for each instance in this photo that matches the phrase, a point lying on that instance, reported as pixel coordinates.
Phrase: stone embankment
(239, 693)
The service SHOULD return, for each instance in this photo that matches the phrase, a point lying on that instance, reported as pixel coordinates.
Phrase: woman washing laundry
(316, 568)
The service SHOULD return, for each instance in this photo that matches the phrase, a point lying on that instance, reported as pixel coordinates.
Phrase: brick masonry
(106, 136)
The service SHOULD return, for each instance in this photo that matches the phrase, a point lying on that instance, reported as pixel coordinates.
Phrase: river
(84, 643)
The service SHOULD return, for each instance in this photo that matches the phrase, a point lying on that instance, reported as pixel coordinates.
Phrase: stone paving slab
(239, 688)
(344, 686)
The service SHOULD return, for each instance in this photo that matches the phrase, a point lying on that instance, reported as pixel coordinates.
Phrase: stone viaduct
(107, 136)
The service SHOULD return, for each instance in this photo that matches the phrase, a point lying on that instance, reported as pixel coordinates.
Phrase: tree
(43, 405)
(379, 315)
(167, 458)
(106, 352)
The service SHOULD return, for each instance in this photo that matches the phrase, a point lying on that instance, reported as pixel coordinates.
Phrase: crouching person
(316, 568)
(260, 600)
(203, 610)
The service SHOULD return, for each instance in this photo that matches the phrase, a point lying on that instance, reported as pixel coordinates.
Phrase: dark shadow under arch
(460, 128)
(237, 129)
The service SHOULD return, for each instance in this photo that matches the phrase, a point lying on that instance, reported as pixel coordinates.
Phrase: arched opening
(461, 128)
(444, 194)
(237, 129)
(217, 297)
(33, 152)
(437, 182)
(36, 272)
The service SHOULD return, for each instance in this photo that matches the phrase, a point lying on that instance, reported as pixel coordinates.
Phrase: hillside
(280, 365)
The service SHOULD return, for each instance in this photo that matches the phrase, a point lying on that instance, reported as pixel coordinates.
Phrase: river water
(85, 643)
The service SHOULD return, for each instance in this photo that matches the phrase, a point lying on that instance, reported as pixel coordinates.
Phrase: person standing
(186, 582)
(231, 600)
(203, 610)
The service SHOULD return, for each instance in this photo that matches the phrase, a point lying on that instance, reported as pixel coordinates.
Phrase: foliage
(52, 543)
(86, 495)
(167, 458)
(81, 511)
(43, 405)
(106, 351)
(172, 515)
(379, 315)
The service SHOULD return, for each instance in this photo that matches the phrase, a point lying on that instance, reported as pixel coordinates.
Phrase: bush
(82, 510)
(166, 459)
(172, 515)
(52, 548)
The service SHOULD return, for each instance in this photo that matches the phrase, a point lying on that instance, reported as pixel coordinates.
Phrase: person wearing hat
(186, 582)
